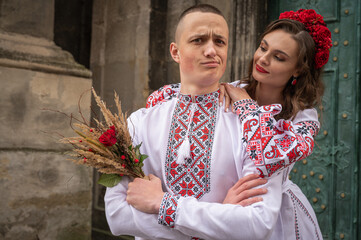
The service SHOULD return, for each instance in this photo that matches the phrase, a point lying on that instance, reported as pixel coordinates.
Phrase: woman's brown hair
(308, 90)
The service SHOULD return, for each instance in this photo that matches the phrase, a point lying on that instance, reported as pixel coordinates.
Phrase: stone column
(249, 20)
(119, 62)
(120, 51)
(44, 196)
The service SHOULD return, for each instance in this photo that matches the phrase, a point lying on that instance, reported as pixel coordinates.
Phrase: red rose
(108, 138)
(321, 31)
(321, 58)
(288, 15)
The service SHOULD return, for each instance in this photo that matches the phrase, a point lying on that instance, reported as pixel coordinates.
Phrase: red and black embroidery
(168, 210)
(193, 177)
(163, 94)
(273, 145)
(297, 201)
(197, 121)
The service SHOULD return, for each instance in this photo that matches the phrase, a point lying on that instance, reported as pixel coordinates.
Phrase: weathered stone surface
(23, 122)
(44, 196)
(249, 21)
(34, 53)
(28, 17)
(120, 56)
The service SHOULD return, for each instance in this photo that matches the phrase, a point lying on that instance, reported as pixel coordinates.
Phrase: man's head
(204, 8)
(200, 47)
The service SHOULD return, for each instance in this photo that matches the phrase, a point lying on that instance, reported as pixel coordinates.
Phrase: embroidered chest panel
(197, 120)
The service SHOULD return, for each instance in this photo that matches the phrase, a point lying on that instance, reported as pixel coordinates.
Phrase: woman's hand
(145, 195)
(232, 94)
(244, 192)
(224, 95)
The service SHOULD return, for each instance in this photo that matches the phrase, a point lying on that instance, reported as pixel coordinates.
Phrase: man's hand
(145, 195)
(244, 192)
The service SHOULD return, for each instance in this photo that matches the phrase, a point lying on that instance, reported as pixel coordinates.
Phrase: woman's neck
(268, 95)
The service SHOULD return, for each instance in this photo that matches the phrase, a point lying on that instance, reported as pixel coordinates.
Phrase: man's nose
(210, 50)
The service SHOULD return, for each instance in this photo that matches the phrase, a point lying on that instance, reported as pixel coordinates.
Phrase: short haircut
(206, 8)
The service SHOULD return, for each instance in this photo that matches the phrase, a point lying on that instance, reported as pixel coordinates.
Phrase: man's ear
(173, 48)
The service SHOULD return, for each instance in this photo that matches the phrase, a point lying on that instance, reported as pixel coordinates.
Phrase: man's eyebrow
(202, 35)
(277, 50)
(197, 35)
(219, 36)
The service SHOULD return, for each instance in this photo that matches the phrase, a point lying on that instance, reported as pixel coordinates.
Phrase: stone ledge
(39, 54)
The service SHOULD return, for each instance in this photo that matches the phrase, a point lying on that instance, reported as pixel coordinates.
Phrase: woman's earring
(294, 81)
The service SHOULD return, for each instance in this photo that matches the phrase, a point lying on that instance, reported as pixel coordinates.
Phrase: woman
(284, 74)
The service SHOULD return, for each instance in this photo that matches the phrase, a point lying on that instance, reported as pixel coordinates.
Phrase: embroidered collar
(202, 99)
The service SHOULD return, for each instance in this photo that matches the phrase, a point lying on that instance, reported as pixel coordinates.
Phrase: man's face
(201, 48)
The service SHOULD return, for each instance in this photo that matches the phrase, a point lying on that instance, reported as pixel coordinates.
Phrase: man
(195, 149)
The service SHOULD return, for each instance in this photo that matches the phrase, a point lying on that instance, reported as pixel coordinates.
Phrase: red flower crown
(317, 29)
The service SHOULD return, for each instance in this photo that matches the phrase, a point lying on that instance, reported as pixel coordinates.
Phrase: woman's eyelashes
(276, 56)
(263, 49)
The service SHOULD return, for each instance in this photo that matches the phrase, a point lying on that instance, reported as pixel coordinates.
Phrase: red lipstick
(260, 69)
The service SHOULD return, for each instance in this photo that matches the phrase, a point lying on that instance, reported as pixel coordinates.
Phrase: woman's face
(275, 60)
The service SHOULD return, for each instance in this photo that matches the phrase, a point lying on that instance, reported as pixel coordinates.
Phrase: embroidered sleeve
(163, 94)
(168, 210)
(273, 145)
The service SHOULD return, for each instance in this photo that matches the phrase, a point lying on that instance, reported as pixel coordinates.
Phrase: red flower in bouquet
(109, 138)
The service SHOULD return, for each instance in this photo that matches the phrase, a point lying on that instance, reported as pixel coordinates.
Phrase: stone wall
(43, 196)
(119, 52)
(119, 62)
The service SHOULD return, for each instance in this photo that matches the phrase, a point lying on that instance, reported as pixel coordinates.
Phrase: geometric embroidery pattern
(273, 167)
(163, 94)
(193, 177)
(285, 143)
(295, 201)
(273, 145)
(168, 210)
